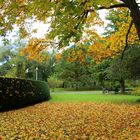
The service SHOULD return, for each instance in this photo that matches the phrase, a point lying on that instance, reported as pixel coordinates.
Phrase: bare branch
(126, 40)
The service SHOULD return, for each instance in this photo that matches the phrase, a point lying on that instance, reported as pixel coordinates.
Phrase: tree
(74, 69)
(118, 72)
(27, 68)
(118, 37)
(46, 69)
(99, 72)
(6, 54)
(132, 58)
(14, 65)
(126, 69)
(69, 19)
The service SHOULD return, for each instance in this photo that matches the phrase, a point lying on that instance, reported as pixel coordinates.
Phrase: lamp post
(13, 65)
(26, 73)
(27, 70)
(36, 75)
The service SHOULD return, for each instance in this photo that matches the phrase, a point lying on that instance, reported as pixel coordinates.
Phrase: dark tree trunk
(76, 87)
(135, 14)
(122, 85)
(102, 83)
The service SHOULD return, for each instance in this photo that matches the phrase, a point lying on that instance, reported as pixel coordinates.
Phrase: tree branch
(126, 40)
(1, 7)
(110, 7)
(113, 6)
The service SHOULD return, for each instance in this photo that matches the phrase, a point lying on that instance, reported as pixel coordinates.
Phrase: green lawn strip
(76, 97)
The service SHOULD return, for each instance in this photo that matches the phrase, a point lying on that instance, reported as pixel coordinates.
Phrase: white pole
(36, 77)
(26, 73)
(27, 70)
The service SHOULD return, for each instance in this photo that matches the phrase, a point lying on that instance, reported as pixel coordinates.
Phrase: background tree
(15, 65)
(132, 58)
(6, 54)
(74, 69)
(118, 72)
(126, 69)
(99, 73)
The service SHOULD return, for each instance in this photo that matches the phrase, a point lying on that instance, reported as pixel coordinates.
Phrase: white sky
(41, 29)
(102, 14)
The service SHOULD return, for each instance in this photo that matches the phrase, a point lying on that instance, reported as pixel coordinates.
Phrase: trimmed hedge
(16, 93)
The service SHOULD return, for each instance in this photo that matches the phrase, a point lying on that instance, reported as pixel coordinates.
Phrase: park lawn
(92, 96)
(79, 116)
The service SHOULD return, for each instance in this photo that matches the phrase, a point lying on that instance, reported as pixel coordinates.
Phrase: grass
(92, 96)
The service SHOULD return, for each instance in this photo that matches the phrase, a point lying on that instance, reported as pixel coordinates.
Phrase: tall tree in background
(73, 68)
(15, 65)
(99, 72)
(126, 69)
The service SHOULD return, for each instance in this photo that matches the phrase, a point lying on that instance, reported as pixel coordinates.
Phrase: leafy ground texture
(72, 121)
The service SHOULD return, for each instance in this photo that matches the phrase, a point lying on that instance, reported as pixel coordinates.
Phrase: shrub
(54, 82)
(136, 91)
(15, 93)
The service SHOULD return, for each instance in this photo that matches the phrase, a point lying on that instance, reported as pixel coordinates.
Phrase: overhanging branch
(109, 7)
(113, 6)
(126, 40)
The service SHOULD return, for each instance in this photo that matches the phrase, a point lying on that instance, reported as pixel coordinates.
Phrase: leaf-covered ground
(74, 121)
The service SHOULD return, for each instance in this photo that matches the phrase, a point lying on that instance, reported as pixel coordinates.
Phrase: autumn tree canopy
(70, 21)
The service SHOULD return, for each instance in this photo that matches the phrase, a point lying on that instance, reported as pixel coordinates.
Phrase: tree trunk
(135, 14)
(122, 85)
(76, 87)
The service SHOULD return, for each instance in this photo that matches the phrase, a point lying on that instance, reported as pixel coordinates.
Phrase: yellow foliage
(58, 56)
(35, 49)
(76, 54)
(104, 47)
(100, 48)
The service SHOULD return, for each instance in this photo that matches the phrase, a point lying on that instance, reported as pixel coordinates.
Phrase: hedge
(15, 93)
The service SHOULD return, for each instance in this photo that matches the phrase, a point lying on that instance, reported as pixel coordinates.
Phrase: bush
(136, 91)
(15, 93)
(54, 82)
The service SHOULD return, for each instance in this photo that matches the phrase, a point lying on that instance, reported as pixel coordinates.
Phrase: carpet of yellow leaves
(72, 121)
